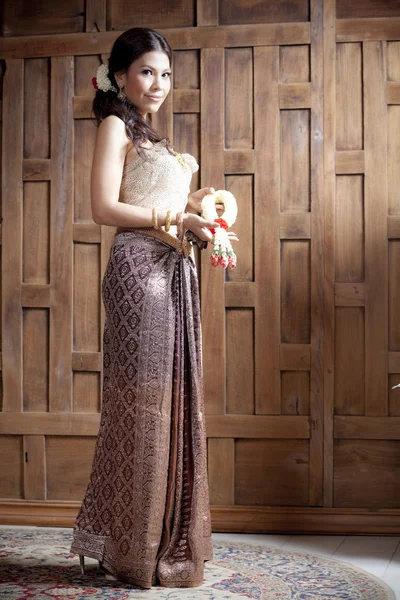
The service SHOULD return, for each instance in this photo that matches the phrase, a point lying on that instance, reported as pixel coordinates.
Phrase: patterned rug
(36, 563)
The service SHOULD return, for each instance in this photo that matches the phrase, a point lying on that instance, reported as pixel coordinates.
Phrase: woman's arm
(108, 162)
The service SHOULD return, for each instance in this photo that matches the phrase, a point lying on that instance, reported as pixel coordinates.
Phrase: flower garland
(223, 253)
(102, 81)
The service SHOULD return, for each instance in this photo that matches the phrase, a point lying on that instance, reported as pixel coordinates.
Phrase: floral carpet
(36, 563)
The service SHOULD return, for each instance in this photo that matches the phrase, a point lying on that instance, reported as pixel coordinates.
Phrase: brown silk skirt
(145, 513)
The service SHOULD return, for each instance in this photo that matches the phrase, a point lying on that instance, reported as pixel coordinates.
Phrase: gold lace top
(158, 178)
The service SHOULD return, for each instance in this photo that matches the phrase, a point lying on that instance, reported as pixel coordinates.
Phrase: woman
(145, 513)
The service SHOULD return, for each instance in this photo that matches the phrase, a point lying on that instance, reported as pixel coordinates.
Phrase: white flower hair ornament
(102, 81)
(223, 253)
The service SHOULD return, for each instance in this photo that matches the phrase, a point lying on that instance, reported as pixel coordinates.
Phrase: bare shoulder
(112, 131)
(114, 127)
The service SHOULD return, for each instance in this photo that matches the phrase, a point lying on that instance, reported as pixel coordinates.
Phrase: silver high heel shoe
(82, 563)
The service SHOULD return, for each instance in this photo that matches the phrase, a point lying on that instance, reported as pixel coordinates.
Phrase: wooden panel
(295, 357)
(65, 455)
(239, 161)
(394, 295)
(35, 296)
(295, 292)
(295, 392)
(87, 233)
(36, 234)
(242, 188)
(349, 361)
(393, 225)
(393, 92)
(267, 273)
(349, 131)
(212, 280)
(295, 160)
(180, 38)
(121, 14)
(393, 362)
(20, 18)
(350, 162)
(36, 359)
(95, 15)
(367, 428)
(394, 395)
(12, 128)
(294, 95)
(294, 64)
(36, 108)
(240, 294)
(357, 464)
(393, 151)
(366, 9)
(186, 101)
(221, 470)
(235, 11)
(376, 210)
(86, 391)
(353, 30)
(36, 169)
(187, 139)
(186, 69)
(238, 98)
(349, 227)
(34, 467)
(78, 424)
(11, 472)
(295, 226)
(240, 365)
(207, 12)
(349, 294)
(86, 313)
(272, 472)
(86, 361)
(84, 140)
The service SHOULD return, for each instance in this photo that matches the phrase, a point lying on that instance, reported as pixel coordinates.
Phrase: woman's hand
(194, 200)
(199, 226)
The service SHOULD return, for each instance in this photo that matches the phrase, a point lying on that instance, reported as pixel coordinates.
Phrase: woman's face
(147, 81)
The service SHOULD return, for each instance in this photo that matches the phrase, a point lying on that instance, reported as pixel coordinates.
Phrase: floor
(379, 555)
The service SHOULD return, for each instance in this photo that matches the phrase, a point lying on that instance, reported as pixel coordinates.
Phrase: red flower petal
(94, 82)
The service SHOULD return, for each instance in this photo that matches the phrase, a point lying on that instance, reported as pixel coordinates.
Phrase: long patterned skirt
(145, 513)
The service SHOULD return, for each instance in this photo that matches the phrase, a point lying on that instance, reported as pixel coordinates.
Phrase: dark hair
(128, 47)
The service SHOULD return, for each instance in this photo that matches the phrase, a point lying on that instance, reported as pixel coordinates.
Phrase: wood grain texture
(12, 202)
(36, 359)
(266, 230)
(179, 38)
(329, 92)
(317, 247)
(212, 174)
(357, 463)
(350, 229)
(376, 247)
(221, 470)
(61, 203)
(34, 450)
(357, 30)
(349, 131)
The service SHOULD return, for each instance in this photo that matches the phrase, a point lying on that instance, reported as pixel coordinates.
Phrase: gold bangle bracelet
(168, 221)
(155, 218)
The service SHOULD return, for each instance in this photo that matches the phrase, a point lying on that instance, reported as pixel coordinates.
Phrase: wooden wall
(295, 108)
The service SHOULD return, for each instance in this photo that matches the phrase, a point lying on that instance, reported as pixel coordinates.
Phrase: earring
(121, 94)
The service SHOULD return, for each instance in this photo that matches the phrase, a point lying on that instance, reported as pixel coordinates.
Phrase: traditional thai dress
(145, 513)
